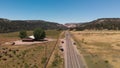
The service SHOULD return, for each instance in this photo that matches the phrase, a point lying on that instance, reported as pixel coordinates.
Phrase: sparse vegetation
(57, 60)
(44, 60)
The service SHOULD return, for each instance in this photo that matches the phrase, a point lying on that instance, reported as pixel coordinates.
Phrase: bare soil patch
(20, 42)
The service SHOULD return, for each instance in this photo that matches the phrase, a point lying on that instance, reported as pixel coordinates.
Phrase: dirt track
(19, 42)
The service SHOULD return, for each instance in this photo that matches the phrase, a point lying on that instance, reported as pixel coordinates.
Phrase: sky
(60, 11)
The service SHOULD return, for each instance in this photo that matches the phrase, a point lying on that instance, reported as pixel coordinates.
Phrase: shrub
(57, 60)
(0, 56)
(106, 61)
(44, 60)
(35, 66)
(22, 34)
(39, 34)
(26, 65)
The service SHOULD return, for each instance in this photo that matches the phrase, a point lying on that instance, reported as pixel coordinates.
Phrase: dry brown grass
(25, 56)
(104, 45)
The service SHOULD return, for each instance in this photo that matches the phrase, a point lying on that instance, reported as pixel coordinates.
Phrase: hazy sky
(61, 11)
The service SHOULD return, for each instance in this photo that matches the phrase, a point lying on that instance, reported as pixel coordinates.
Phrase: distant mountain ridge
(7, 25)
(100, 24)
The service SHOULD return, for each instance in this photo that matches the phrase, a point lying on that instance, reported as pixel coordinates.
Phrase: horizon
(55, 22)
(59, 11)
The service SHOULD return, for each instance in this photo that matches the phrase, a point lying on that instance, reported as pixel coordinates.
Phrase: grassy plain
(25, 56)
(99, 48)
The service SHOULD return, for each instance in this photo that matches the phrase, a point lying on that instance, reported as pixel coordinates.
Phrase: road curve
(72, 57)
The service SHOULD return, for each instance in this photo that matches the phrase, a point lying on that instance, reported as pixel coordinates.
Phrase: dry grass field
(25, 56)
(101, 49)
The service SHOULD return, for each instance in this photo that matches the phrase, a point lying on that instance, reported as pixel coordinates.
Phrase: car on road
(61, 48)
(74, 43)
(62, 41)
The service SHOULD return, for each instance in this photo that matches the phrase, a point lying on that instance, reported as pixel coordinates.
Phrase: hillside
(100, 24)
(17, 25)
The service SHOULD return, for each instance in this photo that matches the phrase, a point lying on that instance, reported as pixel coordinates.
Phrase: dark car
(61, 48)
(62, 41)
(74, 43)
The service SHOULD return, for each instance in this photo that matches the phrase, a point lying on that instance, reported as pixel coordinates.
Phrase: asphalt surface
(72, 57)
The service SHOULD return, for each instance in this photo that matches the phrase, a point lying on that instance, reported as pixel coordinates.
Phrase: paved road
(72, 57)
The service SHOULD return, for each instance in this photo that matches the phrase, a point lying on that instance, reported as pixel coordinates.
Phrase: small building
(27, 40)
(32, 37)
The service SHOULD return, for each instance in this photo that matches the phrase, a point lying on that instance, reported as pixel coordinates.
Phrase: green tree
(39, 34)
(22, 34)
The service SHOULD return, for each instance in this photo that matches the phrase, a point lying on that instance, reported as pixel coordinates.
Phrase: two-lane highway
(72, 57)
